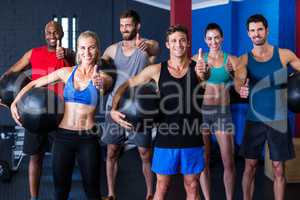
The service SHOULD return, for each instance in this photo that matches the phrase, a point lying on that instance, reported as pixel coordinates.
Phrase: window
(69, 25)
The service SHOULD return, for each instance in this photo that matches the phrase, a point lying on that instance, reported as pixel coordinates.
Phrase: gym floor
(130, 182)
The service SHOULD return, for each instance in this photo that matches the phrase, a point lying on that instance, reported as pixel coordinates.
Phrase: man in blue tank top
(130, 56)
(266, 68)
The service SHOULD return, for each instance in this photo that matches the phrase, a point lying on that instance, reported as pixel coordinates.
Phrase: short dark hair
(131, 14)
(177, 28)
(213, 26)
(257, 18)
(58, 27)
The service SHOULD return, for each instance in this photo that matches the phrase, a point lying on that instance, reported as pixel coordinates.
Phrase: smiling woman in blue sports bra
(75, 138)
(216, 106)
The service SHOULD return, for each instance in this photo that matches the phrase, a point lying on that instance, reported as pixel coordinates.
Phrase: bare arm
(240, 73)
(151, 47)
(58, 75)
(149, 73)
(152, 50)
(110, 52)
(289, 57)
(20, 64)
(232, 64)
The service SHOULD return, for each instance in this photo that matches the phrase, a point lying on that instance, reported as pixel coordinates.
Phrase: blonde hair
(88, 34)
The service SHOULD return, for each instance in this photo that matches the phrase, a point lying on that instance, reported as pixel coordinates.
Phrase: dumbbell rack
(11, 156)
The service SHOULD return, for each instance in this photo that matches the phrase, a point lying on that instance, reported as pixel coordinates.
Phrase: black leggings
(70, 145)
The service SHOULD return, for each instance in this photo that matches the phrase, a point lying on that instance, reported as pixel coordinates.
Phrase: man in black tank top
(267, 115)
(178, 147)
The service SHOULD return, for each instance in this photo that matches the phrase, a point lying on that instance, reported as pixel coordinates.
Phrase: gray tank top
(127, 67)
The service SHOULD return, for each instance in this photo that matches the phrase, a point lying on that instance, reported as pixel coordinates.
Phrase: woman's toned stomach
(216, 94)
(78, 116)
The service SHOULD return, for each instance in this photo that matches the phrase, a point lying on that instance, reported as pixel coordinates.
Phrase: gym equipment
(5, 173)
(294, 92)
(140, 106)
(11, 85)
(40, 110)
(11, 156)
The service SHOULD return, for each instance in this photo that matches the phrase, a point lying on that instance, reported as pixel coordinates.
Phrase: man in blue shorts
(178, 146)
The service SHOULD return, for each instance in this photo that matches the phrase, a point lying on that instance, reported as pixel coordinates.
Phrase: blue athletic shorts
(169, 161)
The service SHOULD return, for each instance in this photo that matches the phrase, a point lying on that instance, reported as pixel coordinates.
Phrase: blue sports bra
(87, 96)
(218, 75)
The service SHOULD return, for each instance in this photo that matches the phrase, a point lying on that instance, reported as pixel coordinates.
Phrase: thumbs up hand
(201, 66)
(97, 79)
(60, 51)
(141, 43)
(244, 91)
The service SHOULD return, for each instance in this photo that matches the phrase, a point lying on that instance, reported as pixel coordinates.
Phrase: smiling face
(258, 33)
(178, 44)
(213, 39)
(87, 51)
(53, 33)
(128, 28)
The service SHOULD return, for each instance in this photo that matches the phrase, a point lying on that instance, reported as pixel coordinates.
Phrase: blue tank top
(87, 96)
(218, 75)
(268, 89)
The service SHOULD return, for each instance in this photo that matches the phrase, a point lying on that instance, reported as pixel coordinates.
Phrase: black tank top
(180, 110)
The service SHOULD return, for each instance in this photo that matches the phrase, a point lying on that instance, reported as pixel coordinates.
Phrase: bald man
(43, 60)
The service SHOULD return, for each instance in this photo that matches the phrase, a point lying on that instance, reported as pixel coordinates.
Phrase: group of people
(194, 103)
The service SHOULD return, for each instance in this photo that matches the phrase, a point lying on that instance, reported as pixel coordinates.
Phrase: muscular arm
(20, 64)
(289, 57)
(152, 50)
(56, 76)
(232, 64)
(146, 75)
(240, 73)
(109, 53)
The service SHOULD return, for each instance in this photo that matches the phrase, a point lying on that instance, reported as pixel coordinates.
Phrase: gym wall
(233, 16)
(22, 25)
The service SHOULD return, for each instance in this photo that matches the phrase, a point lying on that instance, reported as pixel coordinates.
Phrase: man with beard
(130, 56)
(266, 68)
(43, 60)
